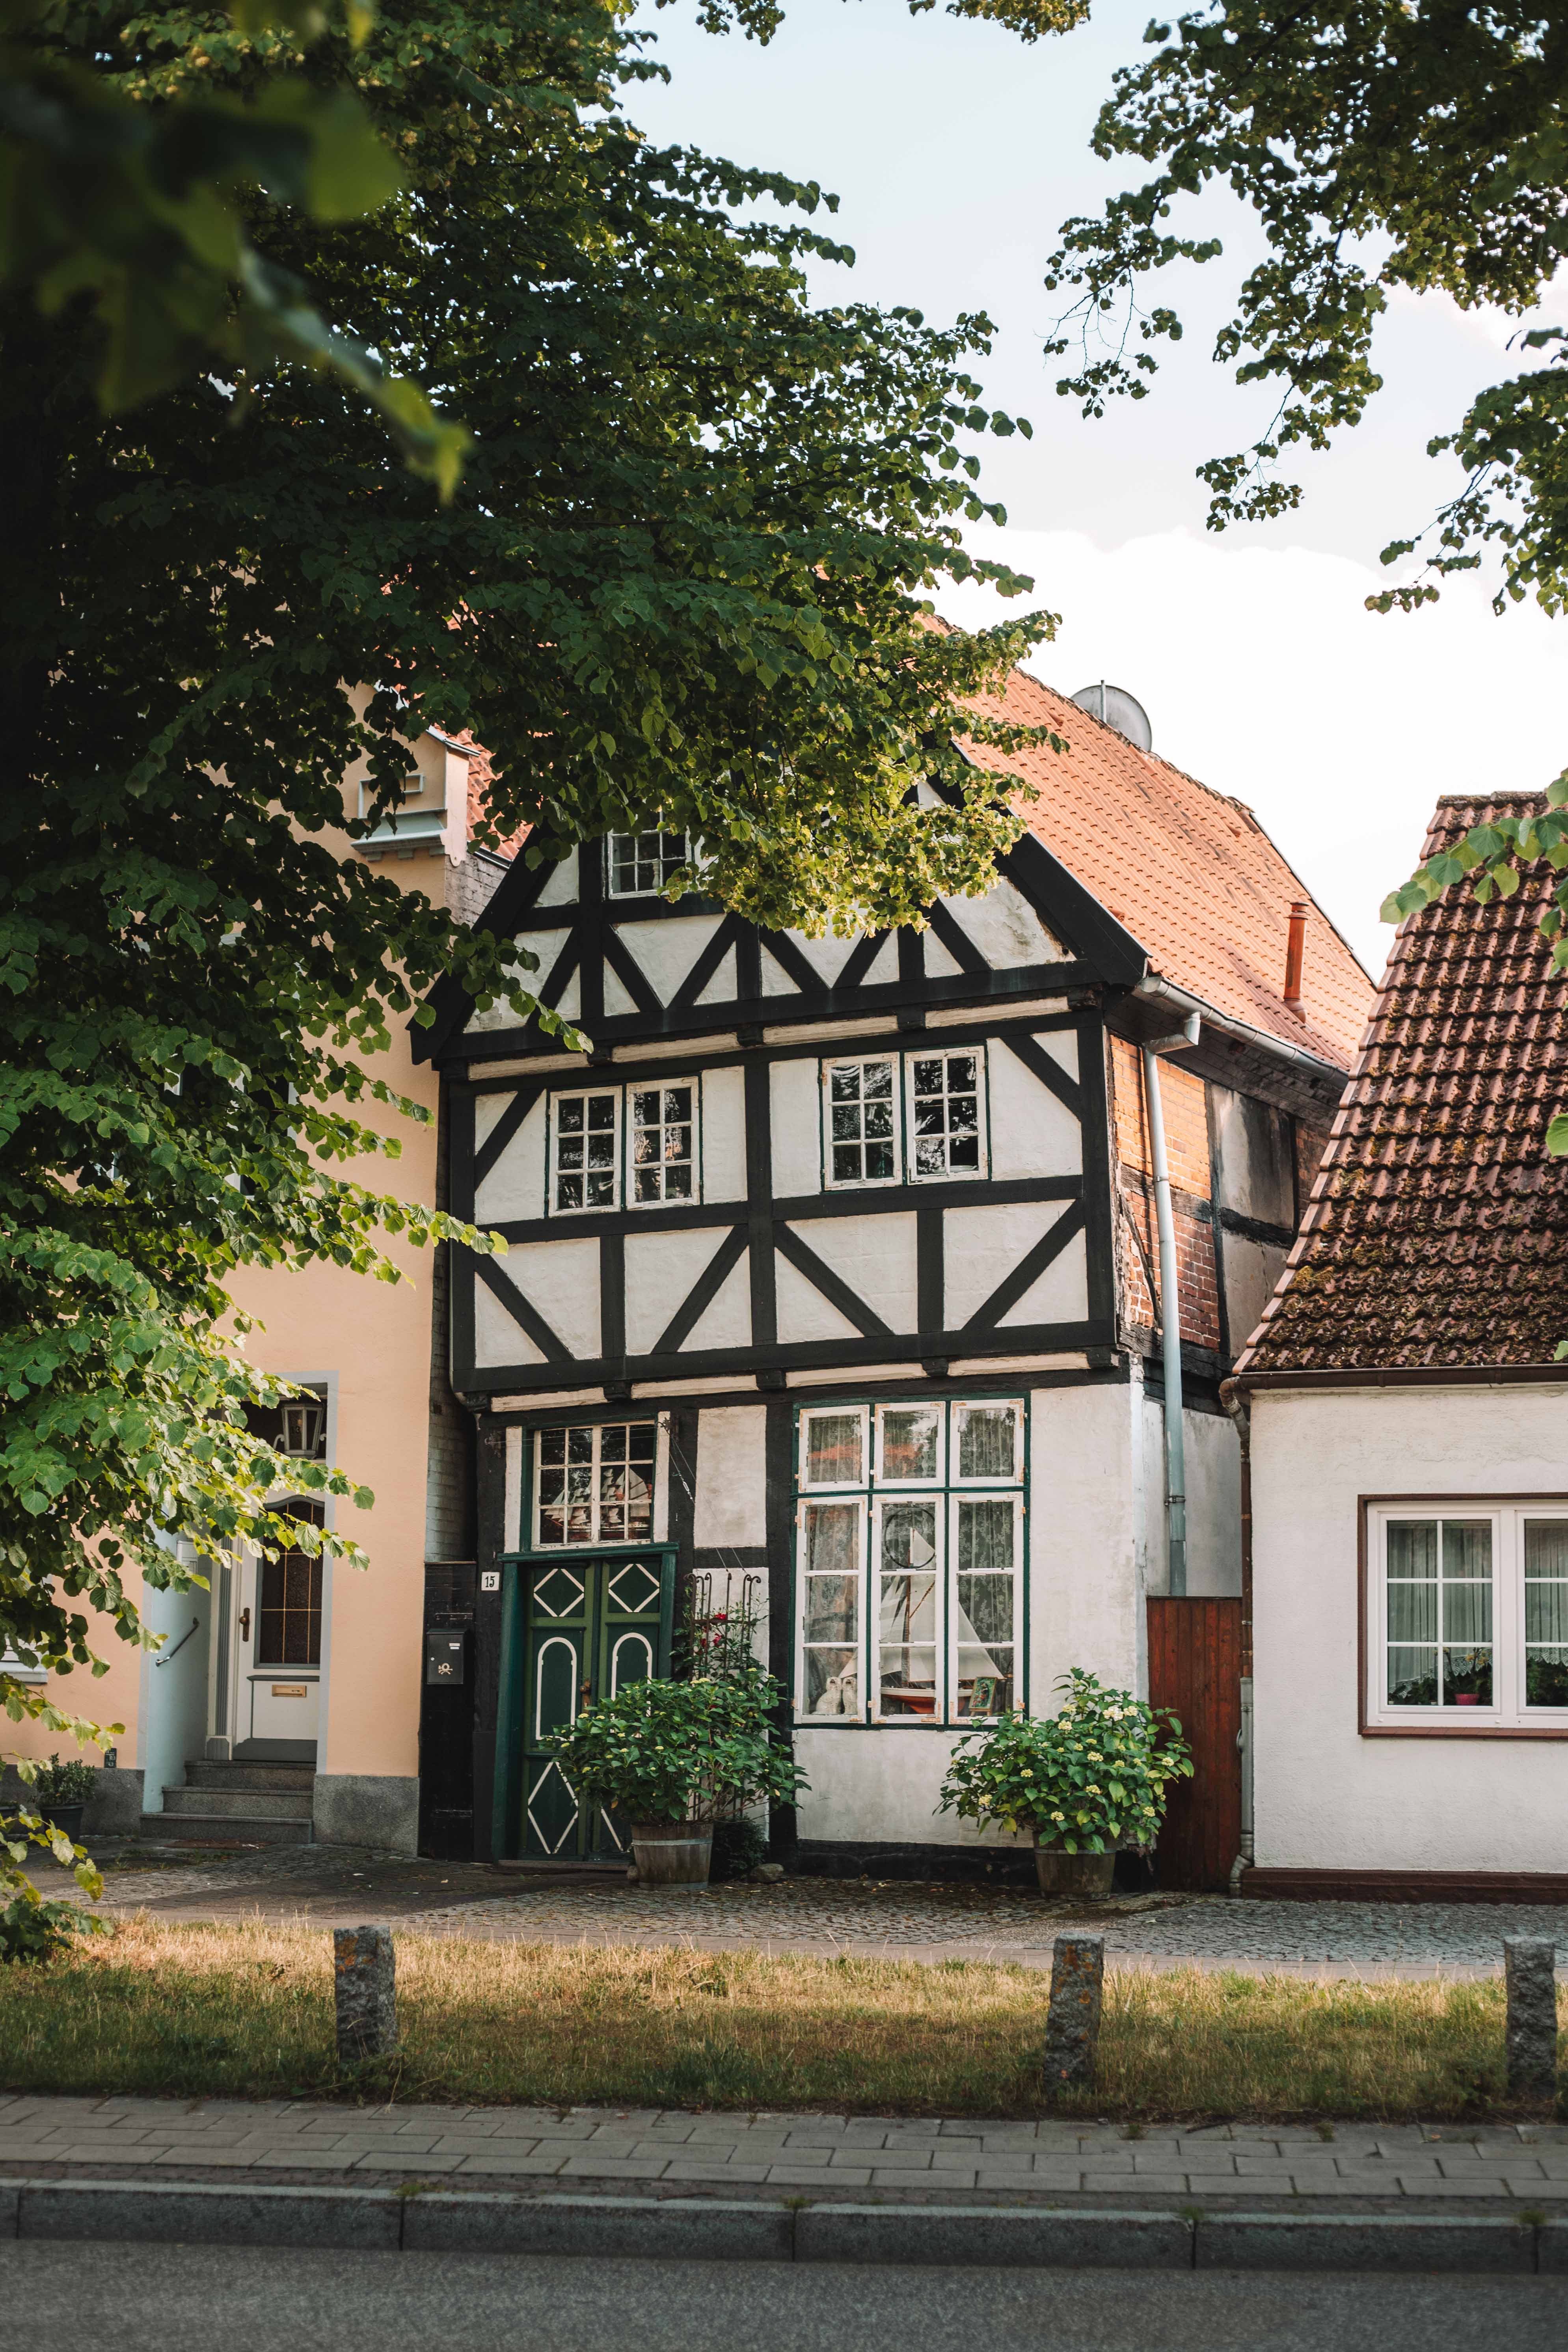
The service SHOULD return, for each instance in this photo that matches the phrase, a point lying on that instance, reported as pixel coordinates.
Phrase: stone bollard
(1530, 1971)
(1072, 2028)
(366, 1988)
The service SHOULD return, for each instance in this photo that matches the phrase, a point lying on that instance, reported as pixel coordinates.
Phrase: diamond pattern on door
(591, 1626)
(635, 1588)
(552, 1808)
(559, 1593)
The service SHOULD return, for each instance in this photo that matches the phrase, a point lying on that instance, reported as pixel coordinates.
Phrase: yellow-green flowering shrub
(1090, 1778)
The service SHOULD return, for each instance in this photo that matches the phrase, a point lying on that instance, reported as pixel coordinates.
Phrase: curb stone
(435, 2221)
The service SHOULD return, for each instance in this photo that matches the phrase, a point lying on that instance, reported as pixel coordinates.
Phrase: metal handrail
(195, 1627)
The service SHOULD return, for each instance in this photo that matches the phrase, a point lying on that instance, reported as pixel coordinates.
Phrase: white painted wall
(1213, 1449)
(174, 1710)
(731, 1477)
(1326, 1798)
(723, 1135)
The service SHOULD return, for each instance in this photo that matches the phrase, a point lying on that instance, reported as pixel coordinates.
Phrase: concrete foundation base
(379, 1809)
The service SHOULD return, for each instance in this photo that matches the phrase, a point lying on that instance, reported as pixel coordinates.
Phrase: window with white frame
(585, 1149)
(947, 1100)
(911, 1525)
(639, 864)
(1468, 1616)
(594, 1483)
(904, 1118)
(861, 1115)
(659, 1163)
(663, 1143)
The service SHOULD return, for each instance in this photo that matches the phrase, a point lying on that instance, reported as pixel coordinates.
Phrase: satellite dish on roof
(1114, 707)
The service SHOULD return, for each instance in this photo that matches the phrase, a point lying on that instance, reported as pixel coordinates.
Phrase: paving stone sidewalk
(1498, 2167)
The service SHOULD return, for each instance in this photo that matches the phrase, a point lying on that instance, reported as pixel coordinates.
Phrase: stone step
(221, 1829)
(295, 1778)
(240, 1804)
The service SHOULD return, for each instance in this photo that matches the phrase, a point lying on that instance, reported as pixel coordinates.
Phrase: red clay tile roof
(1189, 872)
(1437, 1226)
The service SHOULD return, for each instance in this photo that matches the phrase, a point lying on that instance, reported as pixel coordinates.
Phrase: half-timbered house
(832, 1278)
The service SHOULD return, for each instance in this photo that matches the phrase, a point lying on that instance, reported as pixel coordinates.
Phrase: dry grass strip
(247, 2011)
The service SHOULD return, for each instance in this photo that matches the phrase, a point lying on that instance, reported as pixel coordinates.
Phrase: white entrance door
(278, 1650)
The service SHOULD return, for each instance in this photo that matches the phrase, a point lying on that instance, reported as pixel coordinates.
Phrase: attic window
(638, 864)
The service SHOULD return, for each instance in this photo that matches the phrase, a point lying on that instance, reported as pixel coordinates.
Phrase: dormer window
(638, 864)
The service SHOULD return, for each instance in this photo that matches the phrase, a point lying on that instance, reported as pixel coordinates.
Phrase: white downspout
(1169, 1310)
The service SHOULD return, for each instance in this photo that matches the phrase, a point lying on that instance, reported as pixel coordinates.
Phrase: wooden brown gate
(1195, 1667)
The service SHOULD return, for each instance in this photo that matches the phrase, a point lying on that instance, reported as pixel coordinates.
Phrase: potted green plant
(1085, 1781)
(61, 1792)
(667, 1756)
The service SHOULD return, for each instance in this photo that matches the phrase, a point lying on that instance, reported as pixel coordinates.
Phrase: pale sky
(957, 153)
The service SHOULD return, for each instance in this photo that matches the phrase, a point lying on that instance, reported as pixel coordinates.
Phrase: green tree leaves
(1380, 146)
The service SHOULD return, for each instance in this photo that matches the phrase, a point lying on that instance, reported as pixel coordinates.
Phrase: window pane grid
(642, 863)
(944, 1114)
(594, 1484)
(936, 1601)
(1439, 1587)
(862, 1123)
(289, 1602)
(1546, 1612)
(663, 1142)
(662, 1147)
(585, 1151)
(1469, 1616)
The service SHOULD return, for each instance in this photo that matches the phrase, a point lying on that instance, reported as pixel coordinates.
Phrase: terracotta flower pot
(1081, 1875)
(673, 1853)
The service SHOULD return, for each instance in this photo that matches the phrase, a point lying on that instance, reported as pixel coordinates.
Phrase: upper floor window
(1469, 1617)
(862, 1112)
(911, 1117)
(594, 1484)
(664, 1143)
(585, 1149)
(631, 1147)
(638, 864)
(910, 1530)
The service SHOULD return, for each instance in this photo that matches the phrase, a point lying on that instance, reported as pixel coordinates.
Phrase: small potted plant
(1084, 1782)
(61, 1792)
(668, 1756)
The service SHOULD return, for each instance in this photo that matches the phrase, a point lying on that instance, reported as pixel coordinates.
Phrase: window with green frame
(910, 1529)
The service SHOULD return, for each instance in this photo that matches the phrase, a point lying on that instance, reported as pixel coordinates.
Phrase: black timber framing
(1099, 952)
(763, 1227)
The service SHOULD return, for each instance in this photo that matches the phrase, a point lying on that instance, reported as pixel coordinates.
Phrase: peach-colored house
(285, 1703)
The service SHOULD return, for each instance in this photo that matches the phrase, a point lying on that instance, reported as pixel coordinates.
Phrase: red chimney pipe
(1293, 946)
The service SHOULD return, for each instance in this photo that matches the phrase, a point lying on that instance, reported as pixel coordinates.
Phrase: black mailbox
(445, 1656)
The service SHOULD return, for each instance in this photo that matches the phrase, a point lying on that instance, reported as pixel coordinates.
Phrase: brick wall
(1183, 1104)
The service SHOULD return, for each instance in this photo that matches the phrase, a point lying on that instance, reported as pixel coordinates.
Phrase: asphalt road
(142, 2298)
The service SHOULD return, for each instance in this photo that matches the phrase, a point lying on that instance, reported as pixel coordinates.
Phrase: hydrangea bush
(681, 1751)
(1090, 1778)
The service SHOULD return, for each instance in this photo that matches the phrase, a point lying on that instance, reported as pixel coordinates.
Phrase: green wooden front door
(592, 1625)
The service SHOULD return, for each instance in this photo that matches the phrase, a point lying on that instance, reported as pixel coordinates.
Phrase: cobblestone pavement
(330, 1886)
(822, 2153)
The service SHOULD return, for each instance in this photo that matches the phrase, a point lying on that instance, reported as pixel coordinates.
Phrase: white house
(1408, 1438)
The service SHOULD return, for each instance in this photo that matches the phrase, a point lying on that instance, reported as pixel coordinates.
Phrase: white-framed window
(911, 1522)
(891, 1118)
(946, 1114)
(639, 864)
(835, 1446)
(594, 1483)
(662, 1144)
(1467, 1615)
(860, 1117)
(585, 1149)
(625, 1147)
